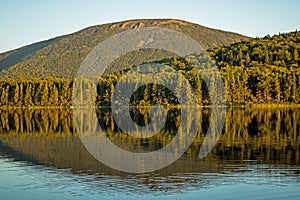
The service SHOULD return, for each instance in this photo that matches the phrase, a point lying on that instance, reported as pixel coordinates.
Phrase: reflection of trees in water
(48, 137)
(261, 134)
(30, 121)
(267, 135)
(141, 117)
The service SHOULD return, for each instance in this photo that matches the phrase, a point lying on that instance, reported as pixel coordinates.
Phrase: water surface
(257, 156)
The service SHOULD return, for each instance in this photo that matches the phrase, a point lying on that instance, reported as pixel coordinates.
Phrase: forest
(259, 71)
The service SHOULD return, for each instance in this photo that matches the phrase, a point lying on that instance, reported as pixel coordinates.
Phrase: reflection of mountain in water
(48, 137)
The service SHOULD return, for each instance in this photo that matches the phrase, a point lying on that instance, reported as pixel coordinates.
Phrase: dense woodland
(263, 70)
(260, 71)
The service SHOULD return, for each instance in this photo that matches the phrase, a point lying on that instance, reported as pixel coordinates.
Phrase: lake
(257, 156)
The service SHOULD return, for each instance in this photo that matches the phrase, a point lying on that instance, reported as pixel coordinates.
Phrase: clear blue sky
(29, 21)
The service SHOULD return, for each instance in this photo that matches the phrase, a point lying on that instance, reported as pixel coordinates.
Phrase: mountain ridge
(61, 56)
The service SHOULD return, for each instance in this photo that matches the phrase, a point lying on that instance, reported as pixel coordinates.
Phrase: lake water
(257, 156)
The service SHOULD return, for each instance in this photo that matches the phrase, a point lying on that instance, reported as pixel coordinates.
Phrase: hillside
(262, 70)
(62, 56)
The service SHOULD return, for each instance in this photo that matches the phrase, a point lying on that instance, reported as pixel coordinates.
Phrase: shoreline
(283, 105)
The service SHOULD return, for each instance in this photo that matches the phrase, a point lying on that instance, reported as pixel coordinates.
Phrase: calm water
(257, 156)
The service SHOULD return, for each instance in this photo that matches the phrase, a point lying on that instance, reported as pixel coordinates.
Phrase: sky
(26, 22)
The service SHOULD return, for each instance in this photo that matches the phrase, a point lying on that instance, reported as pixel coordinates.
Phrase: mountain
(258, 71)
(62, 56)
